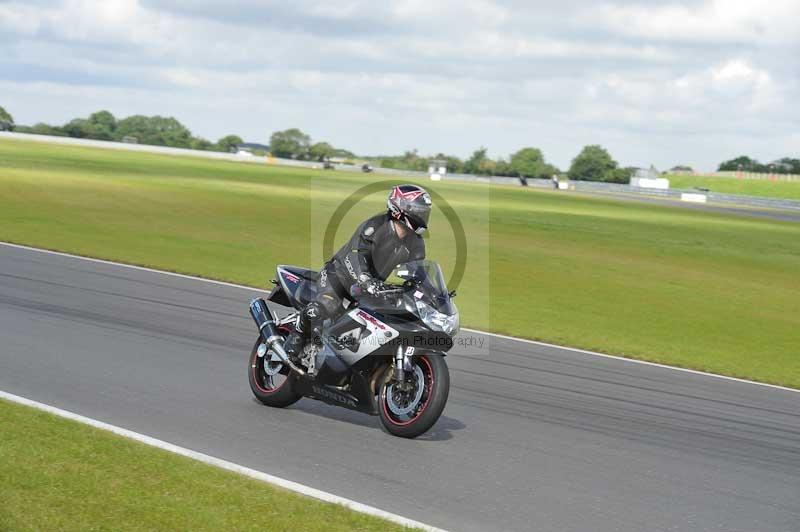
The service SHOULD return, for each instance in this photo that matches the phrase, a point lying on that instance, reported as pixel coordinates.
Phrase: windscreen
(428, 281)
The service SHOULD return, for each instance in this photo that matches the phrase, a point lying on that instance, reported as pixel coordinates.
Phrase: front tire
(411, 418)
(272, 390)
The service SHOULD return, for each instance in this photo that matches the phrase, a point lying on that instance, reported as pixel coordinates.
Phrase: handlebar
(385, 290)
(390, 290)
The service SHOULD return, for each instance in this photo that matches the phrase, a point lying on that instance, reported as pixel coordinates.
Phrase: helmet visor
(420, 214)
(418, 223)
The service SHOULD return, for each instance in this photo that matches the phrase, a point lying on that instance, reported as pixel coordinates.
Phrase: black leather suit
(373, 252)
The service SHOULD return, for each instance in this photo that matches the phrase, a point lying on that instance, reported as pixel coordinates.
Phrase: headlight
(438, 321)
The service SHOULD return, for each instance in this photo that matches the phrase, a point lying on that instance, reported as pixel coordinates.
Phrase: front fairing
(424, 297)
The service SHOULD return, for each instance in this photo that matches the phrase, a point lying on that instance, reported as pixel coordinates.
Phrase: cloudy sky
(689, 82)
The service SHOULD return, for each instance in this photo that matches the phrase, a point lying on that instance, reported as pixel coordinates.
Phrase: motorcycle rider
(366, 260)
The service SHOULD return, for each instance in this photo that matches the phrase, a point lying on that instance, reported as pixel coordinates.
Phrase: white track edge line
(131, 266)
(503, 336)
(633, 360)
(224, 464)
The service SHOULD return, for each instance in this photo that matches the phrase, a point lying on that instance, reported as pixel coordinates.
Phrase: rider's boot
(310, 318)
(294, 345)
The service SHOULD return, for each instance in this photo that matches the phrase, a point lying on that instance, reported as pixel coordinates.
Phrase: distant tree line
(294, 144)
(593, 163)
(527, 162)
(785, 165)
(151, 130)
(6, 120)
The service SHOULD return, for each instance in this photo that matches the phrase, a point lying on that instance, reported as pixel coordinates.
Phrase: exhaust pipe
(269, 332)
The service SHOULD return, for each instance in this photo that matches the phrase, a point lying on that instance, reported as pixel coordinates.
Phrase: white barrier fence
(693, 198)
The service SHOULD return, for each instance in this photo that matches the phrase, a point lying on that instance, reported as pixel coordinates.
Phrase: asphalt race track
(533, 438)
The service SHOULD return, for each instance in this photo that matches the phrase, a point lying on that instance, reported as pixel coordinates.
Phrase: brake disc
(272, 362)
(404, 407)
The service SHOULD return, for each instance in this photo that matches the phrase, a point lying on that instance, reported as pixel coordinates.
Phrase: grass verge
(702, 290)
(744, 187)
(61, 475)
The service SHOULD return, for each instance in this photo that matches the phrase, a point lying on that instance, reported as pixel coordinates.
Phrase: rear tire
(268, 390)
(436, 388)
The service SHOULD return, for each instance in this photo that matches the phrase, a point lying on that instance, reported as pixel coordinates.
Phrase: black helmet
(411, 205)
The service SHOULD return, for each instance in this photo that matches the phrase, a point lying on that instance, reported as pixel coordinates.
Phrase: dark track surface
(533, 438)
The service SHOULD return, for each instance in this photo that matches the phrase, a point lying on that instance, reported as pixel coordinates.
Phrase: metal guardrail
(107, 144)
(615, 188)
(763, 176)
(581, 186)
(675, 193)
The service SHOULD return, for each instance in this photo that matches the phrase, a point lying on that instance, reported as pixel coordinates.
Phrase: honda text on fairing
(384, 355)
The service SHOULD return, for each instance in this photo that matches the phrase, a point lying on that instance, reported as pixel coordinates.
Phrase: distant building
(680, 169)
(437, 169)
(649, 178)
(250, 146)
(647, 173)
(781, 165)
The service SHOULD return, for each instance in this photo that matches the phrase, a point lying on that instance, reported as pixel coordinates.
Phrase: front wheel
(413, 410)
(271, 383)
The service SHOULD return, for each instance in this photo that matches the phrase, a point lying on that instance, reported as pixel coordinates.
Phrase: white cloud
(739, 71)
(733, 82)
(19, 18)
(439, 76)
(773, 21)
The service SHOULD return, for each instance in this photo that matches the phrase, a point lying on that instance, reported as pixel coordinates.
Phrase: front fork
(402, 364)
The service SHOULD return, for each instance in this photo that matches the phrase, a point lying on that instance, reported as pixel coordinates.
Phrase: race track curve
(533, 438)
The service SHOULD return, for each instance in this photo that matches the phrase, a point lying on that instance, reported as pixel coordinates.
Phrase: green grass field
(701, 290)
(744, 187)
(62, 475)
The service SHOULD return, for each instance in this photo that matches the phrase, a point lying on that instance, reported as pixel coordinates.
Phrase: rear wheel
(271, 382)
(413, 409)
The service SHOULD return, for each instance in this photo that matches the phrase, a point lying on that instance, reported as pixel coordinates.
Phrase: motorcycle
(383, 355)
